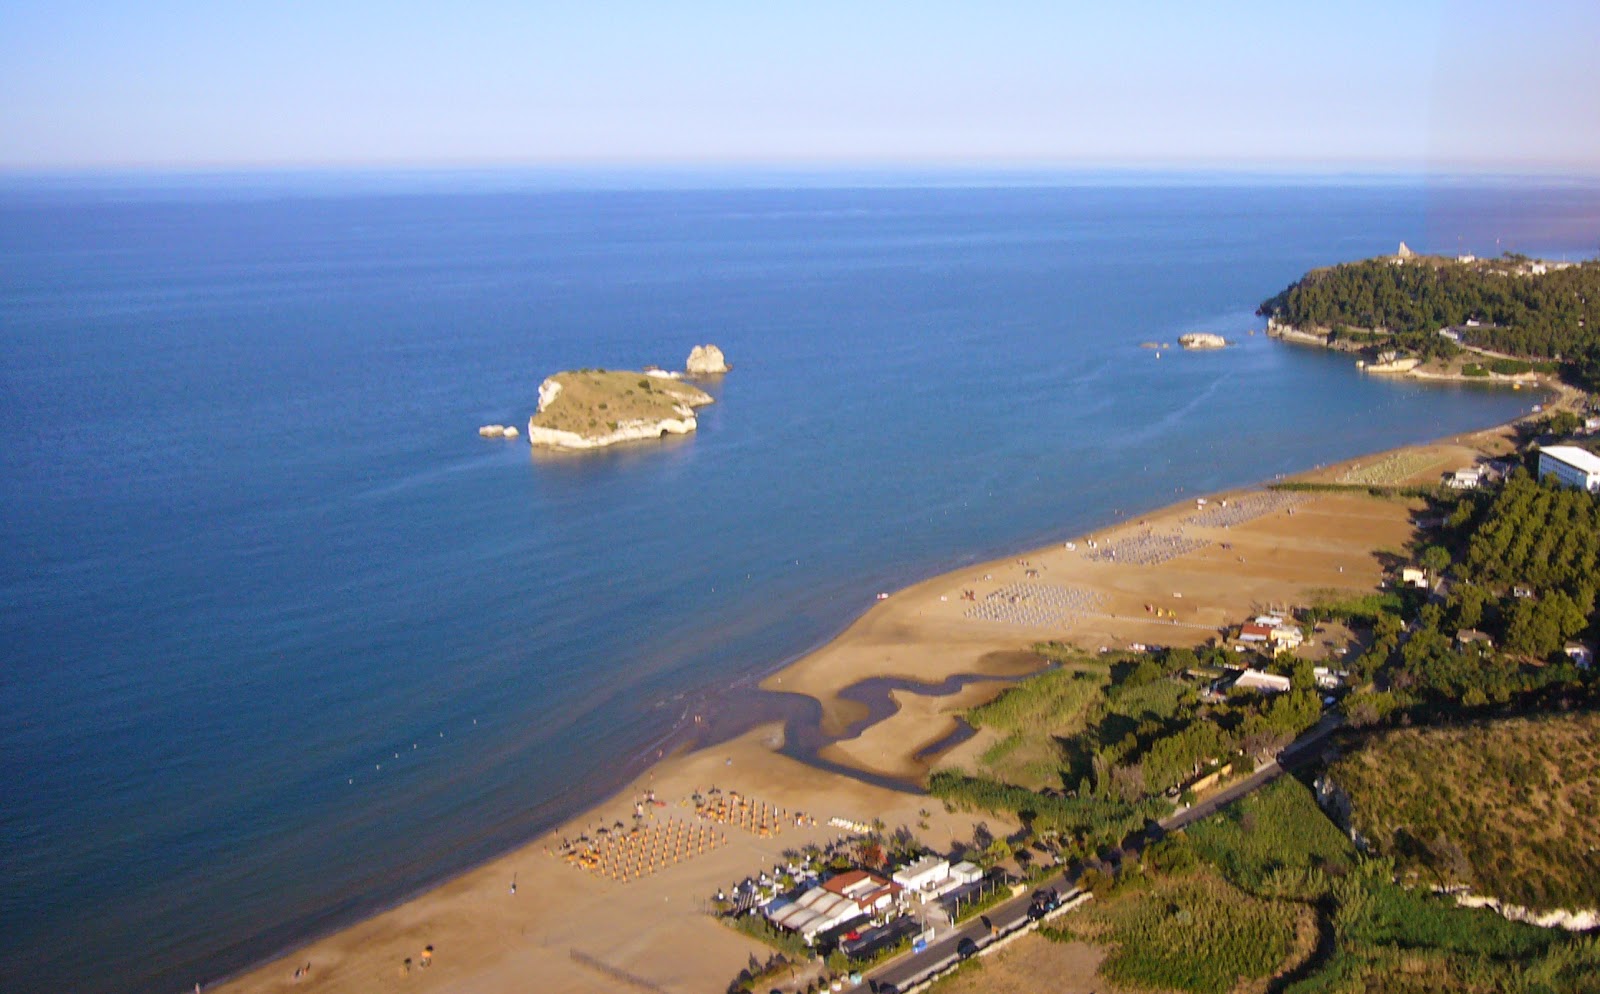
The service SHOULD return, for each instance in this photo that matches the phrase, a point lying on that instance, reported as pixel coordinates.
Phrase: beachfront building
(966, 872)
(844, 898)
(1469, 478)
(925, 879)
(932, 877)
(1571, 465)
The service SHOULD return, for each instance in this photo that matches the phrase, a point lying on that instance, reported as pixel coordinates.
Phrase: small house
(1257, 680)
(1414, 576)
(966, 872)
(1522, 591)
(1254, 631)
(1472, 638)
(1580, 654)
(1329, 679)
(1469, 478)
(1286, 638)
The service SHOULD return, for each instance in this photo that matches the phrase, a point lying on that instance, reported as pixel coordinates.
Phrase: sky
(1431, 85)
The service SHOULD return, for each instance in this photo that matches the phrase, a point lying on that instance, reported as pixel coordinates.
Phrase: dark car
(966, 948)
(1044, 902)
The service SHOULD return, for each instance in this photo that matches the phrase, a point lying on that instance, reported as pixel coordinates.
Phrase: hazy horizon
(1439, 86)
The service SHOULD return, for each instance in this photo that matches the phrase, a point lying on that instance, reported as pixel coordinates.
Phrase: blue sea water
(285, 640)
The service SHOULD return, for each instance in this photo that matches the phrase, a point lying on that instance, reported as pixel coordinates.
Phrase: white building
(1329, 679)
(1571, 465)
(966, 872)
(926, 879)
(1286, 638)
(1269, 683)
(1466, 479)
(1580, 654)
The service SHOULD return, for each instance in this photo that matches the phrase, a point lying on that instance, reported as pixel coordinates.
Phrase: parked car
(1044, 902)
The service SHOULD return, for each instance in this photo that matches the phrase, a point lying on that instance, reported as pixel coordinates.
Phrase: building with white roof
(844, 898)
(927, 878)
(1571, 465)
(1269, 683)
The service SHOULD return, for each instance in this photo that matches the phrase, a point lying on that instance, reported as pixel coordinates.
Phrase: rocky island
(706, 360)
(593, 408)
(1202, 340)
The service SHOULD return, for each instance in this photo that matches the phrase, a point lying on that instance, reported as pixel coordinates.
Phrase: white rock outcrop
(1573, 921)
(1202, 340)
(626, 431)
(706, 360)
(549, 390)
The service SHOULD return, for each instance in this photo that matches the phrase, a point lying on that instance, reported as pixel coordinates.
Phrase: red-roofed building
(870, 892)
(1255, 632)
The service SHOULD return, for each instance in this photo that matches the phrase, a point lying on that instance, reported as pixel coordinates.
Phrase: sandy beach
(566, 928)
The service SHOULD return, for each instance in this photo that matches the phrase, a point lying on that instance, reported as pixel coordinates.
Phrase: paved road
(908, 969)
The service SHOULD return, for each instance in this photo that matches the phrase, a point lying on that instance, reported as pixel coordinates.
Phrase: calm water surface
(285, 640)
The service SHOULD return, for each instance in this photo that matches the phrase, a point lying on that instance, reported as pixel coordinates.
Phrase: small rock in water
(706, 359)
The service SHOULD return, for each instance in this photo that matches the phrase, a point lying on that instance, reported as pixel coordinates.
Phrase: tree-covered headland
(1513, 305)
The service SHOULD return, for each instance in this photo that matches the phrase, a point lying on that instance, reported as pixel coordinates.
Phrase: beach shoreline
(920, 634)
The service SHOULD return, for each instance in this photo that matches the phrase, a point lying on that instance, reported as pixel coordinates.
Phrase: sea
(285, 641)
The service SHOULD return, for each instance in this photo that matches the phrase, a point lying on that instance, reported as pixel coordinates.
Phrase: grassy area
(1275, 842)
(1236, 897)
(1508, 807)
(1193, 932)
(1389, 938)
(1392, 469)
(1030, 719)
(1386, 491)
(596, 401)
(1113, 735)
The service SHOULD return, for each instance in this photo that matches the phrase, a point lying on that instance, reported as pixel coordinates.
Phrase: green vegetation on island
(595, 404)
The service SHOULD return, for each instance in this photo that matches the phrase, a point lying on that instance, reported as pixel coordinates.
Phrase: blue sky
(239, 83)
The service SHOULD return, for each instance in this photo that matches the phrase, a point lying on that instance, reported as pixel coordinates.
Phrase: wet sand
(568, 929)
